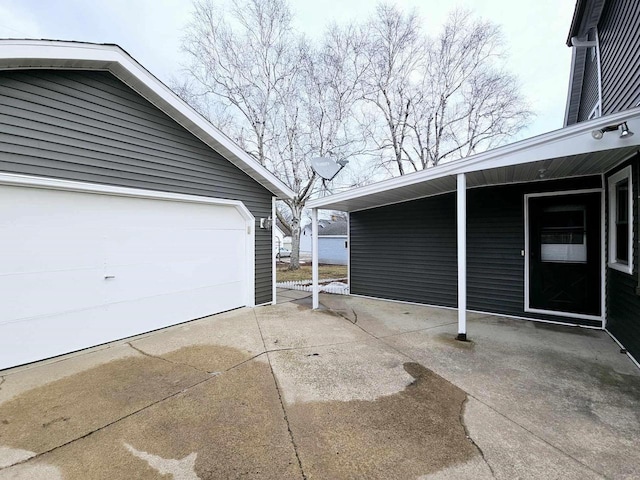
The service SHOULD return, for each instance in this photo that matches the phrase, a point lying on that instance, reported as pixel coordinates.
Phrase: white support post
(462, 255)
(273, 250)
(314, 257)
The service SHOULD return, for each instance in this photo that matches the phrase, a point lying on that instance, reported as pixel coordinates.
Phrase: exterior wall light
(623, 127)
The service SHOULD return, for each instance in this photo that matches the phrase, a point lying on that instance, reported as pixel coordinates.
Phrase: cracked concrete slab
(21, 379)
(403, 435)
(236, 329)
(230, 426)
(381, 318)
(568, 386)
(295, 326)
(355, 371)
(546, 401)
(514, 452)
(51, 415)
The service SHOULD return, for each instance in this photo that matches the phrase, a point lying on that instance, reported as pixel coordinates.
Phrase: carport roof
(564, 153)
(55, 54)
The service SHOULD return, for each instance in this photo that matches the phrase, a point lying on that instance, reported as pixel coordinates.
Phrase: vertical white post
(349, 251)
(273, 250)
(462, 255)
(314, 257)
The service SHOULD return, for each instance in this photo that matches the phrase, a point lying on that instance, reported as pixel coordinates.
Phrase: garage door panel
(130, 282)
(29, 249)
(139, 246)
(82, 268)
(150, 213)
(41, 337)
(46, 293)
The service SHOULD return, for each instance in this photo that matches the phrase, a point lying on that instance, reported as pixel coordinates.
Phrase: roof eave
(569, 141)
(30, 54)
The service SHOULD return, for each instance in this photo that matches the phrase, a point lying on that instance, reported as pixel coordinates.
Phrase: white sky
(150, 30)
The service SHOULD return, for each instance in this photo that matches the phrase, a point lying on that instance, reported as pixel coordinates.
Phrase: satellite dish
(326, 167)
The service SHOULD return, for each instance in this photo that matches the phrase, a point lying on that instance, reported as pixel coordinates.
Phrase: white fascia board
(29, 54)
(565, 142)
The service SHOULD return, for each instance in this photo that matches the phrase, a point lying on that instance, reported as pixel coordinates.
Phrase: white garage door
(79, 269)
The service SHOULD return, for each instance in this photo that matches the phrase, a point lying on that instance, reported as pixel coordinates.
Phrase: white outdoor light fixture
(623, 127)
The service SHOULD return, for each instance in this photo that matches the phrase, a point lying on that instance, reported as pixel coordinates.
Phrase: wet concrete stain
(450, 340)
(230, 425)
(53, 414)
(207, 358)
(414, 432)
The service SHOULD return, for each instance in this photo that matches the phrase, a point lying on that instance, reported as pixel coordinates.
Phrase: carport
(569, 162)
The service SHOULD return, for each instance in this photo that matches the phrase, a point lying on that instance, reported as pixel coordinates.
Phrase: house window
(621, 221)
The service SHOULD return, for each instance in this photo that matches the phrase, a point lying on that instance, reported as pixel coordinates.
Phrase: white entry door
(80, 269)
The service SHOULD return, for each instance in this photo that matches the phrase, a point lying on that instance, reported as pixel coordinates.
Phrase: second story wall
(619, 33)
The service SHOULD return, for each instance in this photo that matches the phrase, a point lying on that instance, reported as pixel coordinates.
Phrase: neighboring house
(122, 210)
(332, 241)
(543, 229)
(282, 236)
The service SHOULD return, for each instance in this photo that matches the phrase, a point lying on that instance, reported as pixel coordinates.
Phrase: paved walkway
(361, 389)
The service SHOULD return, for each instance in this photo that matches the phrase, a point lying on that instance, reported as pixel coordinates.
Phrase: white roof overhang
(53, 54)
(565, 153)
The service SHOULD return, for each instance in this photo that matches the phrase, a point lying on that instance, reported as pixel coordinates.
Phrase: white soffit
(564, 153)
(47, 54)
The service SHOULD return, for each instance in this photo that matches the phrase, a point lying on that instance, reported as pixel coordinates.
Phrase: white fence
(337, 286)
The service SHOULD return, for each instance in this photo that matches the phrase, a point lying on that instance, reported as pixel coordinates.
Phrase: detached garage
(121, 209)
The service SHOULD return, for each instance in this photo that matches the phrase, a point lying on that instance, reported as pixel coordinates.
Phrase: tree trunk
(296, 213)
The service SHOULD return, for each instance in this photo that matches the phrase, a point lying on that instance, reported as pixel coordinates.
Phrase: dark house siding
(590, 87)
(90, 127)
(619, 34)
(408, 251)
(623, 304)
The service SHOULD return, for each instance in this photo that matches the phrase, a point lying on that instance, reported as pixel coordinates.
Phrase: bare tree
(289, 100)
(441, 97)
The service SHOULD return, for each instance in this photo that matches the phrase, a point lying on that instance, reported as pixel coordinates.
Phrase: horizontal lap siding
(90, 127)
(590, 86)
(623, 304)
(408, 251)
(619, 35)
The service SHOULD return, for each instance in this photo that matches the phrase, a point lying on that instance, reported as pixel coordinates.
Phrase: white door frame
(16, 180)
(527, 307)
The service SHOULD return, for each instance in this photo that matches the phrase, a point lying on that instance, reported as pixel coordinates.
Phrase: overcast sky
(150, 31)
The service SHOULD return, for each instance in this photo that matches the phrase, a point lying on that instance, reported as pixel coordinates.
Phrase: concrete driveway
(362, 389)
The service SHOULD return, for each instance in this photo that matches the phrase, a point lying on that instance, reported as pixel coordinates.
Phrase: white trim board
(625, 173)
(527, 308)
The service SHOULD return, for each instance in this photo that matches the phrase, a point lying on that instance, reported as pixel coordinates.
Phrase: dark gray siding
(619, 33)
(408, 251)
(575, 87)
(590, 86)
(623, 304)
(89, 126)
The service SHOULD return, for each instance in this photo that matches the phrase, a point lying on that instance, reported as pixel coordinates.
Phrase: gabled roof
(565, 153)
(54, 54)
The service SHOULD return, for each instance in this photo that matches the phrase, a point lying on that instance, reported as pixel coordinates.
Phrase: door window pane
(563, 236)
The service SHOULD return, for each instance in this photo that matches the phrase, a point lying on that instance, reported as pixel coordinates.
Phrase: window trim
(613, 180)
